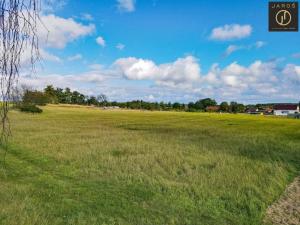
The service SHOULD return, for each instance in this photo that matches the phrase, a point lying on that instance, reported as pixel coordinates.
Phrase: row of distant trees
(51, 95)
(67, 96)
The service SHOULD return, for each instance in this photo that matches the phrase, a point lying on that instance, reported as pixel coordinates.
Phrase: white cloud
(57, 32)
(260, 79)
(292, 72)
(183, 71)
(184, 75)
(50, 6)
(231, 32)
(126, 5)
(260, 44)
(234, 48)
(49, 57)
(150, 98)
(182, 80)
(84, 81)
(137, 69)
(26, 57)
(75, 57)
(100, 41)
(86, 17)
(231, 49)
(98, 67)
(120, 46)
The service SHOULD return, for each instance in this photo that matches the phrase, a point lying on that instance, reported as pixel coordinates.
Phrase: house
(285, 109)
(252, 111)
(212, 108)
(268, 111)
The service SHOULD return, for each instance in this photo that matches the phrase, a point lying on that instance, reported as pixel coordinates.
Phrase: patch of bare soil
(286, 211)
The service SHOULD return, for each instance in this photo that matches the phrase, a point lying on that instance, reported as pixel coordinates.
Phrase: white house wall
(285, 112)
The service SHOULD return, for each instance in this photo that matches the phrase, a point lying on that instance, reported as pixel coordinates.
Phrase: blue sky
(163, 50)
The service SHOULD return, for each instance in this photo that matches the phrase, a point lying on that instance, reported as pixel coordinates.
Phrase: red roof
(286, 107)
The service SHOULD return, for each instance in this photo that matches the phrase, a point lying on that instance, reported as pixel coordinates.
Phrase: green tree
(176, 106)
(102, 99)
(241, 108)
(50, 92)
(77, 98)
(224, 107)
(60, 95)
(92, 100)
(203, 103)
(191, 107)
(35, 98)
(236, 107)
(68, 96)
(162, 106)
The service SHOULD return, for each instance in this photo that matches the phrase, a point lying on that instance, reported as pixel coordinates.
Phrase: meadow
(88, 166)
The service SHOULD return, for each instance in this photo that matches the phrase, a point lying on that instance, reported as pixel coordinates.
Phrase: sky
(166, 50)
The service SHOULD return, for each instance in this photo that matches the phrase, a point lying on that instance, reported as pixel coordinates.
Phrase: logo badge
(283, 16)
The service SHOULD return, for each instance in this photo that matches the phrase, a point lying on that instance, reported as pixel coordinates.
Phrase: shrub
(35, 98)
(30, 108)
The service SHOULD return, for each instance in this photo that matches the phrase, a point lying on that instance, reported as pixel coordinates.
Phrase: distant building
(212, 108)
(110, 107)
(252, 111)
(268, 111)
(286, 109)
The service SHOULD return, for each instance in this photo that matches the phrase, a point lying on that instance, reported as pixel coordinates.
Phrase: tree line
(51, 95)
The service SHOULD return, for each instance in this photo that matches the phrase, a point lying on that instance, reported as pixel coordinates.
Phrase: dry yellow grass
(89, 166)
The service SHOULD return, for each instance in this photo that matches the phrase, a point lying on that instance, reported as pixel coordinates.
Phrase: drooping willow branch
(18, 40)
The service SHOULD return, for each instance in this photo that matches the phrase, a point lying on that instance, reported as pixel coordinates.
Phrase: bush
(30, 108)
(35, 98)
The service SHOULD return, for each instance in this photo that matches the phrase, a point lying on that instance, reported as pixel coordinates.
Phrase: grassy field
(88, 166)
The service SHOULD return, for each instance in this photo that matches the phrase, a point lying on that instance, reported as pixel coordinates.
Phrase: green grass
(87, 166)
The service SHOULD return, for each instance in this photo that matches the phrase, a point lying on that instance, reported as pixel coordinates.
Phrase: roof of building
(286, 107)
(213, 107)
(252, 110)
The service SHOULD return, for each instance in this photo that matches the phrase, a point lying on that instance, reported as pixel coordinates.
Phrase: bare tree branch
(18, 34)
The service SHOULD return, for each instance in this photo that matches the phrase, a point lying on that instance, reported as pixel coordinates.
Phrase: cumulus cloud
(126, 5)
(137, 69)
(182, 80)
(57, 32)
(231, 32)
(183, 71)
(232, 82)
(292, 72)
(100, 41)
(261, 80)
